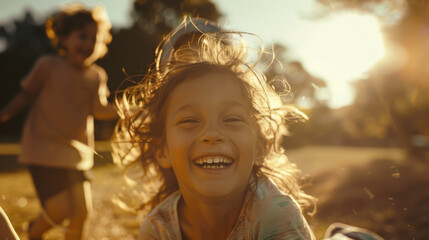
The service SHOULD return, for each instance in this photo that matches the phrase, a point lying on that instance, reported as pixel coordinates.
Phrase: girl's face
(79, 45)
(211, 139)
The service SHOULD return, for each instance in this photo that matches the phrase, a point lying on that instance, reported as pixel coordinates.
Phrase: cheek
(178, 142)
(176, 137)
(247, 141)
(91, 44)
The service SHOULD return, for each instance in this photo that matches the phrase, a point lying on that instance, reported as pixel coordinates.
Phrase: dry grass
(107, 221)
(387, 196)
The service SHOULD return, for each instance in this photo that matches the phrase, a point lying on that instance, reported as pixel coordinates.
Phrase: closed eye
(233, 120)
(188, 121)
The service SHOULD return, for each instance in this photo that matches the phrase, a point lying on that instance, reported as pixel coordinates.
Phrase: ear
(163, 158)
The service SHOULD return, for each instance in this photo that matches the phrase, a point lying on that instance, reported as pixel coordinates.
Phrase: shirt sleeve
(35, 79)
(146, 231)
(279, 217)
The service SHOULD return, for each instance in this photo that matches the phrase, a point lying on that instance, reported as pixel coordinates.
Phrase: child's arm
(22, 99)
(102, 109)
(30, 87)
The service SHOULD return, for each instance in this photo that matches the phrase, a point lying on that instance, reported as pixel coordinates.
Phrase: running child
(66, 92)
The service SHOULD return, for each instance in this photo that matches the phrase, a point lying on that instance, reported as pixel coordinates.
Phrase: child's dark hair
(76, 16)
(141, 130)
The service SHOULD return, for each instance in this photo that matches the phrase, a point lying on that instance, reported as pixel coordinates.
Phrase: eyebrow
(184, 107)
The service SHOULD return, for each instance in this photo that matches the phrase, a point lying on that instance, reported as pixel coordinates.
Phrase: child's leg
(74, 203)
(56, 209)
(81, 204)
(64, 193)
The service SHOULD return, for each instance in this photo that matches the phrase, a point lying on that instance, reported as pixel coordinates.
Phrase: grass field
(367, 187)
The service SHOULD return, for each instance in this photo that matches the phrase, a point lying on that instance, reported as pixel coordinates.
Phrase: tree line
(391, 107)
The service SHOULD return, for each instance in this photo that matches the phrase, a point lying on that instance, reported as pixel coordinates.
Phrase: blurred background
(358, 69)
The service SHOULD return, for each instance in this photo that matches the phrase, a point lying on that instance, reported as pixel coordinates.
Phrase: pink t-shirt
(59, 130)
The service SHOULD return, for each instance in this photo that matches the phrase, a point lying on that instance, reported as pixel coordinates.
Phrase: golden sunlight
(343, 48)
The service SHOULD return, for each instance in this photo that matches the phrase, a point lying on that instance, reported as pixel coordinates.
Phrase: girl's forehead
(90, 27)
(220, 81)
(211, 86)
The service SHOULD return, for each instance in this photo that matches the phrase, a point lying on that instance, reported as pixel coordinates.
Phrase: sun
(343, 47)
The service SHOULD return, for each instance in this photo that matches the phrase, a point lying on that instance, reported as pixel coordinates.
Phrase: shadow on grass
(387, 197)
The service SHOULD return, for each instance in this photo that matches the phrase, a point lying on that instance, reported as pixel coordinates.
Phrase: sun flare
(344, 47)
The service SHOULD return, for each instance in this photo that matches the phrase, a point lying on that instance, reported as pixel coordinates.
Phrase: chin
(88, 61)
(217, 190)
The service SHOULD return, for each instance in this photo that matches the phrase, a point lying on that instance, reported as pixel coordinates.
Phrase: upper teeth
(213, 159)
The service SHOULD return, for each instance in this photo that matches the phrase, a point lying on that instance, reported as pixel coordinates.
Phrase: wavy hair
(75, 16)
(141, 129)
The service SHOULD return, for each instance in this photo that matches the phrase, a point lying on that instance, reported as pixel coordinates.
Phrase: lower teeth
(209, 166)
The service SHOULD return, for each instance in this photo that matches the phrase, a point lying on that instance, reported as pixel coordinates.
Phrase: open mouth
(213, 162)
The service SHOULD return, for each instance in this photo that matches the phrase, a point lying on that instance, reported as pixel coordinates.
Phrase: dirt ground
(366, 187)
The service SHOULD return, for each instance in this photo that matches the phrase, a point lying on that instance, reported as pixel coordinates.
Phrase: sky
(328, 48)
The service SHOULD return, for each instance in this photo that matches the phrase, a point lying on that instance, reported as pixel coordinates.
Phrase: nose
(212, 135)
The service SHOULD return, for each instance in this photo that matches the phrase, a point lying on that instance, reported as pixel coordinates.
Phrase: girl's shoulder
(98, 71)
(270, 203)
(50, 60)
(168, 205)
(163, 221)
(266, 186)
(267, 194)
(96, 67)
(275, 212)
(46, 63)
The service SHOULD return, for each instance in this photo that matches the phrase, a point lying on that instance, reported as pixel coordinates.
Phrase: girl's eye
(233, 120)
(188, 122)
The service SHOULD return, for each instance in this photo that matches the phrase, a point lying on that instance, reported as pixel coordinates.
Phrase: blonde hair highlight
(140, 131)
